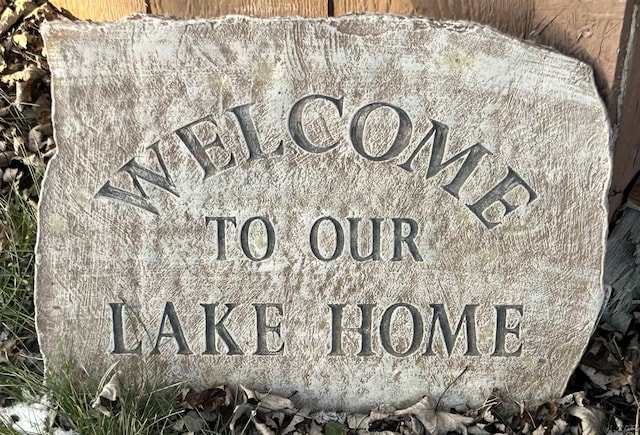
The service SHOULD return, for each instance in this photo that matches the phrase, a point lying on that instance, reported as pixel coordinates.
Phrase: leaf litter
(601, 396)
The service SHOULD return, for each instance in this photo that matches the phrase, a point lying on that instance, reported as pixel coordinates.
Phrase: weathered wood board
(260, 8)
(356, 209)
(100, 10)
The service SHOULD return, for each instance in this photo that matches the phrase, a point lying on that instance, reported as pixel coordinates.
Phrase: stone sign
(360, 210)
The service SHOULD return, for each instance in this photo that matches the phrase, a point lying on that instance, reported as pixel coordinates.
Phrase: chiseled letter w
(138, 172)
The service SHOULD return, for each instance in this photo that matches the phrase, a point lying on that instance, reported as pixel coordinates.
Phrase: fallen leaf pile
(253, 412)
(601, 396)
(26, 144)
(606, 403)
(26, 141)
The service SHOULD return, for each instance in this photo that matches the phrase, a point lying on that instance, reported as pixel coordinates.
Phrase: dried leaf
(248, 393)
(5, 158)
(358, 421)
(42, 13)
(597, 377)
(211, 399)
(239, 412)
(477, 430)
(10, 175)
(35, 139)
(424, 411)
(109, 395)
(557, 427)
(624, 378)
(412, 426)
(191, 422)
(23, 95)
(20, 39)
(315, 429)
(448, 422)
(269, 401)
(28, 74)
(262, 427)
(381, 413)
(293, 424)
(7, 346)
(594, 421)
(11, 15)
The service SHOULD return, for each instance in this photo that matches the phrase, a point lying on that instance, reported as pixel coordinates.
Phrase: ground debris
(255, 412)
(26, 136)
(106, 401)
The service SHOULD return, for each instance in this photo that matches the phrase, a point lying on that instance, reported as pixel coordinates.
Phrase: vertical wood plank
(588, 30)
(260, 8)
(509, 16)
(626, 156)
(100, 10)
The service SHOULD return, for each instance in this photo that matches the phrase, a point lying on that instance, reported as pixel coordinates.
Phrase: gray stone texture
(533, 281)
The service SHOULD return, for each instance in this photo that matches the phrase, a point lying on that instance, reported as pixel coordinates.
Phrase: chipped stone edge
(458, 26)
(43, 187)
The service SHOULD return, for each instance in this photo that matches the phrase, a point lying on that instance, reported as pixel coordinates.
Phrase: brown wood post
(626, 162)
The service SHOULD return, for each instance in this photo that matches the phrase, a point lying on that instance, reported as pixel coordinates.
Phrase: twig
(635, 399)
(449, 386)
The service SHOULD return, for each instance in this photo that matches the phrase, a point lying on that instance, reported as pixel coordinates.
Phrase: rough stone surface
(433, 129)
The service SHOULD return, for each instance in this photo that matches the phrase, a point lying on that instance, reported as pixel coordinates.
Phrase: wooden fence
(599, 32)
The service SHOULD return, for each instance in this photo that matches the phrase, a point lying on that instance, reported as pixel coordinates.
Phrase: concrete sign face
(361, 210)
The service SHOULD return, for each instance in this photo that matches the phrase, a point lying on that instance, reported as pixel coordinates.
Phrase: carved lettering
(250, 134)
(199, 151)
(339, 239)
(467, 162)
(176, 331)
(119, 346)
(497, 195)
(269, 340)
(502, 330)
(399, 238)
(221, 233)
(215, 329)
(440, 317)
(400, 142)
(138, 172)
(263, 329)
(244, 238)
(385, 330)
(295, 123)
(354, 239)
(366, 312)
(503, 347)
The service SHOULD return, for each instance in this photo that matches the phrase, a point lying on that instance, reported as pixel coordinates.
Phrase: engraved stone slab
(357, 209)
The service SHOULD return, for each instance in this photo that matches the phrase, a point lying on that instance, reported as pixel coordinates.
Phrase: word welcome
(506, 331)
(467, 160)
